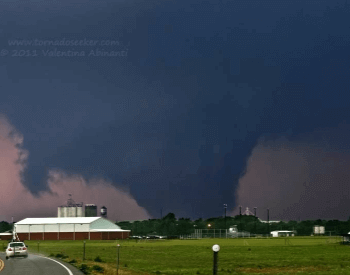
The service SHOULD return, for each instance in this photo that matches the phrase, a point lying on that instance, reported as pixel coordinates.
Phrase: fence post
(118, 246)
(84, 252)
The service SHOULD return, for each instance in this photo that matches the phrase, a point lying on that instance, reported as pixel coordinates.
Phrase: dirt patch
(286, 270)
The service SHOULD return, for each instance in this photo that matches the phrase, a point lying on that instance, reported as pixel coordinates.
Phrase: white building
(268, 221)
(319, 230)
(282, 233)
(71, 228)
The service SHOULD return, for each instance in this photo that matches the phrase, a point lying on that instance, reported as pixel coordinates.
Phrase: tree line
(170, 226)
(5, 226)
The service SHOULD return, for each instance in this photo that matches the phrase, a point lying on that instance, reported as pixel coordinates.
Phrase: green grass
(302, 255)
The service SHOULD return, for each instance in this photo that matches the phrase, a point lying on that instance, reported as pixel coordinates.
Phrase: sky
(175, 106)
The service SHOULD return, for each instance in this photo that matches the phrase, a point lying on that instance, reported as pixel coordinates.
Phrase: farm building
(69, 228)
(282, 233)
(6, 236)
(346, 238)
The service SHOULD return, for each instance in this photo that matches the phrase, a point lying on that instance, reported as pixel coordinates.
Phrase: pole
(118, 247)
(84, 252)
(255, 220)
(38, 247)
(240, 218)
(225, 206)
(268, 221)
(215, 265)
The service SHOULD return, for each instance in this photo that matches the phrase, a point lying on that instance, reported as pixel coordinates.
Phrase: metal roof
(109, 230)
(58, 220)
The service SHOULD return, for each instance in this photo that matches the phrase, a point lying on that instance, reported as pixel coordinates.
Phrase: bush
(85, 269)
(61, 255)
(98, 259)
(98, 268)
(72, 261)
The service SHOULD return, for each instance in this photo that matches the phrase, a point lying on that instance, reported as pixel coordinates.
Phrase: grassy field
(302, 255)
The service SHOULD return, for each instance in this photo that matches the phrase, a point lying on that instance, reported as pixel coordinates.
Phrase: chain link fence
(215, 233)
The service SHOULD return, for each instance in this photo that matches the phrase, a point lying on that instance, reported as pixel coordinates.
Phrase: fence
(215, 233)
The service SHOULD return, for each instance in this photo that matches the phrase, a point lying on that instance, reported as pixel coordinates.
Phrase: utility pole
(225, 206)
(240, 217)
(268, 221)
(255, 220)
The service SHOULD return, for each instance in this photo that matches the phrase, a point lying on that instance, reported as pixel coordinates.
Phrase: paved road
(35, 265)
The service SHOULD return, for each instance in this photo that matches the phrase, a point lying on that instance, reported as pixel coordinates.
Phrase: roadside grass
(302, 255)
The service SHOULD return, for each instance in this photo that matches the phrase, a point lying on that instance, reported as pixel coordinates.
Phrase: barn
(69, 228)
(6, 236)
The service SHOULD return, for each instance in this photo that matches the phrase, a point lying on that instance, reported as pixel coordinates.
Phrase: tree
(170, 217)
(5, 226)
(167, 225)
(184, 227)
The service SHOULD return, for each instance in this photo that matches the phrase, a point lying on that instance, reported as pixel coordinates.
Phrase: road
(35, 265)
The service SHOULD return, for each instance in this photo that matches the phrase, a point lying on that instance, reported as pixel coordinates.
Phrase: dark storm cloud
(175, 121)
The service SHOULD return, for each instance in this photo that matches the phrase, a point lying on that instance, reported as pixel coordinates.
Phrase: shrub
(60, 255)
(98, 259)
(98, 268)
(85, 269)
(73, 261)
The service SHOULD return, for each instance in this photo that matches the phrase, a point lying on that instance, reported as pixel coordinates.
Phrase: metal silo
(72, 209)
(80, 212)
(60, 212)
(90, 210)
